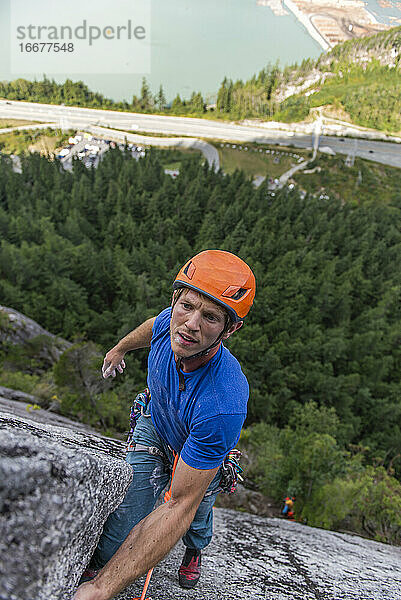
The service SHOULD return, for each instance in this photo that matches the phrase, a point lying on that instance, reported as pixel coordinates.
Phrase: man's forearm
(153, 537)
(138, 338)
(146, 545)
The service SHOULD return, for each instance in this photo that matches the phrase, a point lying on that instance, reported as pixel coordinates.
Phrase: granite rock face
(15, 396)
(248, 501)
(258, 558)
(57, 487)
(17, 329)
(19, 404)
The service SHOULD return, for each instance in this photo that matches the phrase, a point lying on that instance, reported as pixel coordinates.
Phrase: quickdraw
(231, 472)
(137, 409)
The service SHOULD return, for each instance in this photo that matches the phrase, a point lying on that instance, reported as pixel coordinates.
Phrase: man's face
(196, 322)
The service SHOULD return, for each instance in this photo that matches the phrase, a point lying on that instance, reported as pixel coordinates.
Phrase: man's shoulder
(227, 376)
(162, 321)
(228, 362)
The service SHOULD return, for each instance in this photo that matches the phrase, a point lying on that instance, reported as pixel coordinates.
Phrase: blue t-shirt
(204, 421)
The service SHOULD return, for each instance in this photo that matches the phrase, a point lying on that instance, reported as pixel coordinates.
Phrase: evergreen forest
(90, 254)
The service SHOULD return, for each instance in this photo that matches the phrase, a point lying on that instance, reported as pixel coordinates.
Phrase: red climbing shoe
(190, 569)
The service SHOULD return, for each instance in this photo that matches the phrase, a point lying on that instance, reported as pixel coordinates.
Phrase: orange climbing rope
(167, 497)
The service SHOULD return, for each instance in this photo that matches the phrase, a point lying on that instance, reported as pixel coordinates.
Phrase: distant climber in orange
(288, 509)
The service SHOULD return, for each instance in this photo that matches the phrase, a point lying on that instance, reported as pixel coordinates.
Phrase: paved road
(25, 127)
(209, 151)
(74, 117)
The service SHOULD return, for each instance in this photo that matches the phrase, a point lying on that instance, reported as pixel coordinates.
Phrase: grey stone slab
(21, 329)
(18, 329)
(58, 485)
(259, 558)
(19, 404)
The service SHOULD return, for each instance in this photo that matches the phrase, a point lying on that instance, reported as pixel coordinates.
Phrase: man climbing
(198, 398)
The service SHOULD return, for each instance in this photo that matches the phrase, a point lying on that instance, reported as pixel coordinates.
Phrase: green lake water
(194, 44)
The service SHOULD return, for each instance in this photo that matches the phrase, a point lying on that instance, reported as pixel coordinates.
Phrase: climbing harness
(166, 498)
(138, 409)
(231, 472)
(230, 468)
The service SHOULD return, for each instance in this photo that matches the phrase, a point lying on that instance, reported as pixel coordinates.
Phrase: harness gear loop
(150, 449)
(138, 409)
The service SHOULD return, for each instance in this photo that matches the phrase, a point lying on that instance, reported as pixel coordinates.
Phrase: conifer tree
(160, 99)
(146, 99)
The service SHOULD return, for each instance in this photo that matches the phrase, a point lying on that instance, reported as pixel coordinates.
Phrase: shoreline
(313, 32)
(333, 18)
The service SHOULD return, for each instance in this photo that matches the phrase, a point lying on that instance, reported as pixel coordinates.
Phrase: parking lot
(90, 149)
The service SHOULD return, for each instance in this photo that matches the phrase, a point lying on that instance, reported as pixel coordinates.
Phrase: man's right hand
(113, 361)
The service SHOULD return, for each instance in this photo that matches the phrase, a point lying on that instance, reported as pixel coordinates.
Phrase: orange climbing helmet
(223, 277)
